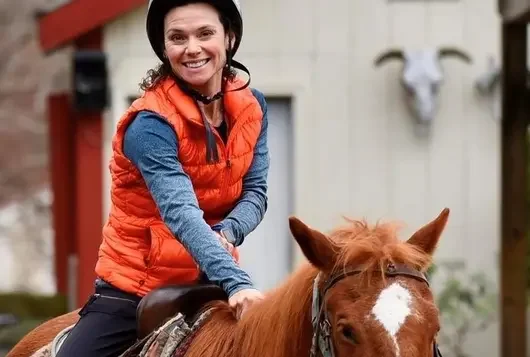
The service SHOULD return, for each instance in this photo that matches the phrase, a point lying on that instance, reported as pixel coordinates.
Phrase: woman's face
(195, 45)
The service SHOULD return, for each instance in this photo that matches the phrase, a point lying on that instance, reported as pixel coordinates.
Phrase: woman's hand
(244, 299)
(228, 246)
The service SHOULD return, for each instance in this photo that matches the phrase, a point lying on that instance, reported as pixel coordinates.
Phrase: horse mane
(370, 248)
(261, 331)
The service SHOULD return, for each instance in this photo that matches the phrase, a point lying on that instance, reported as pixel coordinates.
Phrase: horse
(361, 292)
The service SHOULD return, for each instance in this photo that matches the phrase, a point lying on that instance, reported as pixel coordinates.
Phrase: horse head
(370, 297)
(422, 76)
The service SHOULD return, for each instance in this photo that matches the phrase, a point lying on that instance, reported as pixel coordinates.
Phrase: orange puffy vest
(138, 252)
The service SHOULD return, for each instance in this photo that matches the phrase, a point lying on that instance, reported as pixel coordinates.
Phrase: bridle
(319, 315)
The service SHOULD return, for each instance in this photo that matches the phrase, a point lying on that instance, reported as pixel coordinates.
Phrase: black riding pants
(107, 326)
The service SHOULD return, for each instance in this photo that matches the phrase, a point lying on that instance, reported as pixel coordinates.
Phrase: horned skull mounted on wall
(422, 76)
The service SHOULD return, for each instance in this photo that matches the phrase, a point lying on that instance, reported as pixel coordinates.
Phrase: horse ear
(427, 237)
(316, 246)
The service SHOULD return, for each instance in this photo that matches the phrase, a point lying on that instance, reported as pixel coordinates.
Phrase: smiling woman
(189, 175)
(209, 29)
(196, 46)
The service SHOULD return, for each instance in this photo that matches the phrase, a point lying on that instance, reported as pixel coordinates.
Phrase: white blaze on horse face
(391, 309)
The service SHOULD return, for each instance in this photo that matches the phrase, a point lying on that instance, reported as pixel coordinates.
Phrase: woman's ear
(230, 39)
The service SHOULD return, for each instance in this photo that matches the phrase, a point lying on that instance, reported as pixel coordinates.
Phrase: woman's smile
(197, 64)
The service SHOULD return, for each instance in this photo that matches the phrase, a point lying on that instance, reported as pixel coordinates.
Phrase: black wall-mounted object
(90, 81)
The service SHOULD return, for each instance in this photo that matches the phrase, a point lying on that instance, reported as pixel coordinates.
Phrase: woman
(189, 170)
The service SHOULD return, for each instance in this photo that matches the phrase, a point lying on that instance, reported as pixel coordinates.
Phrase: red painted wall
(61, 129)
(88, 165)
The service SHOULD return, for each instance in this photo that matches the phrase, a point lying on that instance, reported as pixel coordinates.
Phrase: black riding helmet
(229, 10)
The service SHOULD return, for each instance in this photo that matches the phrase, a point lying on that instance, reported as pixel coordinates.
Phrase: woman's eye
(177, 38)
(206, 33)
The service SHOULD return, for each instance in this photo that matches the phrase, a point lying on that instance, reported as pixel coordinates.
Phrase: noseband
(319, 315)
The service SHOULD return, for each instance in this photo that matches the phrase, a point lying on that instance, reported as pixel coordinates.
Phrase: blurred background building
(343, 140)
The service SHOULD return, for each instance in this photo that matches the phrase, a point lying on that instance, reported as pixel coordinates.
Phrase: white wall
(346, 110)
(267, 253)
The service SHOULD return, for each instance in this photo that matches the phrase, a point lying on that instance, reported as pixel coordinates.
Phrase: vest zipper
(228, 163)
(225, 151)
(225, 154)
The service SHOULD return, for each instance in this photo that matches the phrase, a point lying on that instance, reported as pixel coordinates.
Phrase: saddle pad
(59, 340)
(51, 349)
(169, 340)
(44, 351)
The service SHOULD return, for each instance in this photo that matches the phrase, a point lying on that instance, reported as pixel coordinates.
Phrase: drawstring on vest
(211, 148)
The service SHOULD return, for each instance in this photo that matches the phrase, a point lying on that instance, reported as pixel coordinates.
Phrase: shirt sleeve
(252, 206)
(151, 144)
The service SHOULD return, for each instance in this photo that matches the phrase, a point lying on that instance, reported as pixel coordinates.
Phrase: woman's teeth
(196, 64)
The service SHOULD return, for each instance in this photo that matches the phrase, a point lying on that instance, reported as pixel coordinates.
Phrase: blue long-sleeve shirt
(151, 144)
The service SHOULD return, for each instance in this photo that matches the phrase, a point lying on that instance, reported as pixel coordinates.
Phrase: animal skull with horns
(421, 76)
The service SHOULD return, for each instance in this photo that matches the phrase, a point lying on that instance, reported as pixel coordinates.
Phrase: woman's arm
(252, 205)
(151, 144)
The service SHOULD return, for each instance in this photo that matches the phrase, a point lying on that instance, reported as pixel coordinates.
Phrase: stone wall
(27, 76)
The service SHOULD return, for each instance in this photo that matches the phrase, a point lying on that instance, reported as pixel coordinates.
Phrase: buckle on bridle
(325, 328)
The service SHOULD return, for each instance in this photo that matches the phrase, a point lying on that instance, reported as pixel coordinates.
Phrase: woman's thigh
(107, 327)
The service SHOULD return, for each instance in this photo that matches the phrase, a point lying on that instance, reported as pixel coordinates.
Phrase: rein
(322, 339)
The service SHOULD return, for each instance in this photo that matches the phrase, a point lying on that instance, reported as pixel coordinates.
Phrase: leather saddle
(163, 303)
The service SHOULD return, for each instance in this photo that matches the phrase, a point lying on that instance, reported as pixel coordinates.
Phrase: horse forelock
(370, 248)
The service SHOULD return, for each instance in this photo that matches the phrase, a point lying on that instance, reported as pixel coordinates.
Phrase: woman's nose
(193, 47)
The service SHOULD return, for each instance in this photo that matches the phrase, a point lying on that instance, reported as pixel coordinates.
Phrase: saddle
(161, 304)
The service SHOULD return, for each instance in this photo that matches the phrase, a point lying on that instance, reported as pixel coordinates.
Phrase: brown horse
(363, 294)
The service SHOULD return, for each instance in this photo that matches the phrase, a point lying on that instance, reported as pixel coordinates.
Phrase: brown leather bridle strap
(403, 270)
(390, 270)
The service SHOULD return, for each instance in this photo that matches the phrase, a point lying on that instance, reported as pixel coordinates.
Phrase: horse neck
(280, 326)
(282, 322)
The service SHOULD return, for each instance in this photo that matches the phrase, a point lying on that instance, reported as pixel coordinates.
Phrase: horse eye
(349, 334)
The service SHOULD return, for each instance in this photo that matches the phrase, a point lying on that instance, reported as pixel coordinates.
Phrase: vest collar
(234, 102)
